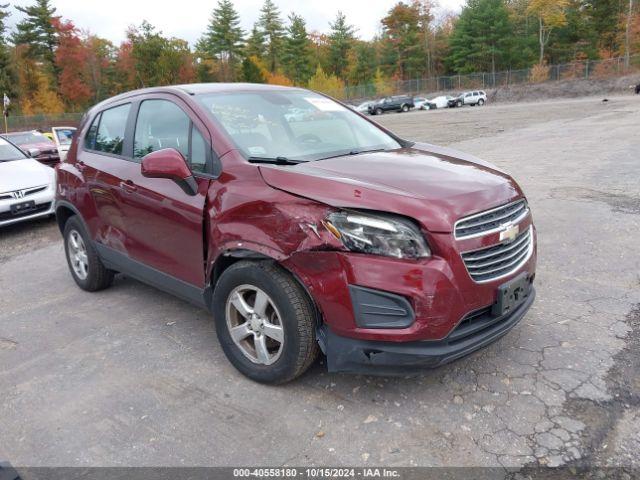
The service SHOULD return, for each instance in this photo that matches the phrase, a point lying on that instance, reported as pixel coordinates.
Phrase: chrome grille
(490, 221)
(25, 192)
(494, 262)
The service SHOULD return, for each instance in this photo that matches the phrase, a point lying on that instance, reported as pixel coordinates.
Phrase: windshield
(295, 125)
(25, 138)
(65, 135)
(10, 152)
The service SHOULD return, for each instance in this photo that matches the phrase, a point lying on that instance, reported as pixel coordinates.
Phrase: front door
(164, 224)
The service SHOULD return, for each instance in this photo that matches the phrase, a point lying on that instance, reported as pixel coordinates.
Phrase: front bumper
(44, 206)
(476, 331)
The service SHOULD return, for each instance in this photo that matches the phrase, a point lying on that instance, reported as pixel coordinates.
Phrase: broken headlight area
(387, 235)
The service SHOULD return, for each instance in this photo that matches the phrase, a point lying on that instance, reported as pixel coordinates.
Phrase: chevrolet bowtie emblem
(509, 232)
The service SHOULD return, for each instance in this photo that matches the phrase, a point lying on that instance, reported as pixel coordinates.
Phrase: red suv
(300, 224)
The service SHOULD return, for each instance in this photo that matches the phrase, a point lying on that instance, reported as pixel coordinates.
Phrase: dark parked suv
(299, 233)
(401, 103)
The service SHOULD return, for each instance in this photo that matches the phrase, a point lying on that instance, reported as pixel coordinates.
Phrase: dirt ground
(131, 376)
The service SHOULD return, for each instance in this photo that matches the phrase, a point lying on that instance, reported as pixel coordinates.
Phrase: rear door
(164, 224)
(102, 160)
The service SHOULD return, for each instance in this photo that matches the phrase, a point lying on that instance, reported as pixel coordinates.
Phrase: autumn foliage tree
(71, 60)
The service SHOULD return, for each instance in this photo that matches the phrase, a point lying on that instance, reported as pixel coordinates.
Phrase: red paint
(270, 209)
(166, 163)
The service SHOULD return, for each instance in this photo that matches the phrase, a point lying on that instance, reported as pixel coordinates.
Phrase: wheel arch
(229, 257)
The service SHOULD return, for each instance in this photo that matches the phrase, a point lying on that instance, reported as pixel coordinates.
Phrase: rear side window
(110, 132)
(163, 124)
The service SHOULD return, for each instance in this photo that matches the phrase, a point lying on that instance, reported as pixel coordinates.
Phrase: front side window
(162, 124)
(295, 124)
(111, 128)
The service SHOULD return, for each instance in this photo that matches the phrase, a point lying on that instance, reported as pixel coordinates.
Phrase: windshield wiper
(276, 160)
(353, 152)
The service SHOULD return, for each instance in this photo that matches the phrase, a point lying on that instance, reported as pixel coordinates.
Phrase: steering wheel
(309, 138)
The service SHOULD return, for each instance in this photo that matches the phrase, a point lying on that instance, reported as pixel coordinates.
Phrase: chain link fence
(588, 69)
(42, 122)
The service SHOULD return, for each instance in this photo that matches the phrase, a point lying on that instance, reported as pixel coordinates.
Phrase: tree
(155, 59)
(255, 43)
(482, 37)
(273, 32)
(223, 38)
(383, 84)
(627, 35)
(401, 38)
(36, 31)
(329, 84)
(251, 71)
(363, 63)
(296, 56)
(550, 14)
(341, 40)
(8, 78)
(71, 61)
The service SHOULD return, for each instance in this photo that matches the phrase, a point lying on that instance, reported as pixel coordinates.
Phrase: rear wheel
(405, 108)
(265, 322)
(84, 264)
(481, 102)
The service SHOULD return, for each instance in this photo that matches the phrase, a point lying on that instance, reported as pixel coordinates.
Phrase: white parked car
(363, 108)
(62, 137)
(477, 97)
(420, 103)
(27, 187)
(438, 102)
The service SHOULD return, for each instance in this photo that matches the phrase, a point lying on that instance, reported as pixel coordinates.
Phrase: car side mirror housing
(170, 164)
(34, 152)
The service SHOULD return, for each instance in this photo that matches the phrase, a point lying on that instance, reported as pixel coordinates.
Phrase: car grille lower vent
(491, 220)
(494, 262)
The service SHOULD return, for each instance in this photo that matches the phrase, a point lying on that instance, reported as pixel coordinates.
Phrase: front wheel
(379, 111)
(265, 322)
(459, 103)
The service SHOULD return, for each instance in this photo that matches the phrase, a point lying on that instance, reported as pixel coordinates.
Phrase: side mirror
(34, 152)
(170, 164)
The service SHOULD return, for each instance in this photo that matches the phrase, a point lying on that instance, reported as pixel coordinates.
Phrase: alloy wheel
(78, 255)
(255, 324)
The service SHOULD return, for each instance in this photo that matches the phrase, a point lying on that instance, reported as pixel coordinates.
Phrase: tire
(90, 275)
(379, 111)
(481, 102)
(405, 108)
(287, 307)
(459, 103)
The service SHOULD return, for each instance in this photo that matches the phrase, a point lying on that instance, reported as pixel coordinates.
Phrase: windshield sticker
(325, 105)
(257, 151)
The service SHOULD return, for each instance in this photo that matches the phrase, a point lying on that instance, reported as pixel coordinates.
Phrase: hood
(434, 185)
(42, 146)
(20, 174)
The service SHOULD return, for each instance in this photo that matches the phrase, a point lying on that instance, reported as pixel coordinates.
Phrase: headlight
(378, 235)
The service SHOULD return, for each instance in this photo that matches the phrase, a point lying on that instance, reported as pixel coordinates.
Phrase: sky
(110, 18)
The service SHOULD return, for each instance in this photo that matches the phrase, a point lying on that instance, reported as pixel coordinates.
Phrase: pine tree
(401, 40)
(296, 56)
(223, 38)
(8, 77)
(255, 43)
(341, 40)
(273, 30)
(482, 37)
(37, 31)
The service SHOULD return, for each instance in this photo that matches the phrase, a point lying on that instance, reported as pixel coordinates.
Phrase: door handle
(128, 186)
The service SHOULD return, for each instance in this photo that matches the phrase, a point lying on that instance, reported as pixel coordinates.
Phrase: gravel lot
(131, 376)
